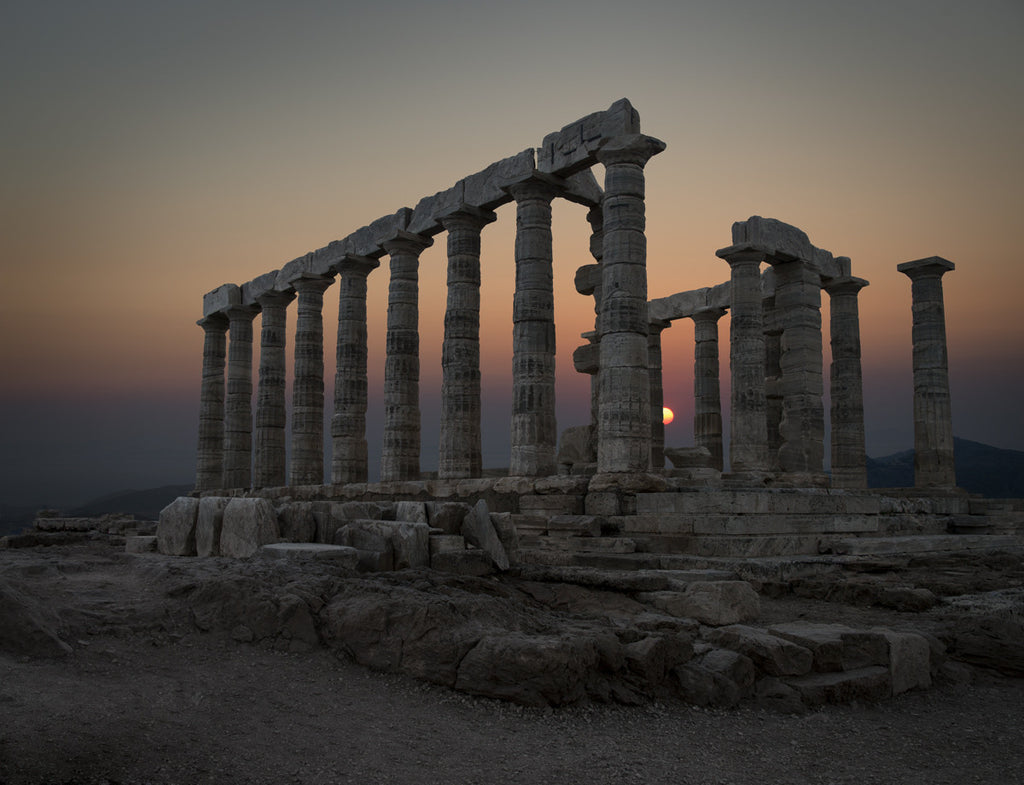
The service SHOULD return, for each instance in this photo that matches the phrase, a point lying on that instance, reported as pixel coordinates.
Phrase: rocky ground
(144, 668)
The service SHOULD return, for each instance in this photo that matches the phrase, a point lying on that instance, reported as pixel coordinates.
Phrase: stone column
(707, 402)
(624, 418)
(460, 451)
(400, 455)
(802, 428)
(772, 369)
(348, 423)
(848, 455)
(654, 368)
(210, 457)
(308, 386)
(592, 286)
(271, 414)
(534, 429)
(238, 402)
(933, 419)
(747, 426)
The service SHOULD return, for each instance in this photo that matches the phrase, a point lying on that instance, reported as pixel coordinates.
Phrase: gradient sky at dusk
(153, 151)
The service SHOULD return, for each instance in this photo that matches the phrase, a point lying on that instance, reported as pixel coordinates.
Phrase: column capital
(404, 242)
(274, 297)
(467, 217)
(235, 312)
(215, 322)
(635, 149)
(709, 314)
(743, 252)
(929, 267)
(848, 284)
(309, 282)
(537, 186)
(352, 264)
(655, 326)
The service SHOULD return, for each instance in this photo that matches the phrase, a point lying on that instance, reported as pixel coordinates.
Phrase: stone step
(802, 501)
(749, 524)
(593, 544)
(925, 544)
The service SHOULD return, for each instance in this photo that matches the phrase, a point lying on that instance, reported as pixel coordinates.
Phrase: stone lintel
(221, 298)
(683, 305)
(588, 278)
(425, 215)
(253, 290)
(583, 188)
(488, 189)
(353, 264)
(572, 149)
(929, 266)
(303, 267)
(775, 237)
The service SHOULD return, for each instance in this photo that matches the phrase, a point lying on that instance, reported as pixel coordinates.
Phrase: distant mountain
(144, 505)
(980, 468)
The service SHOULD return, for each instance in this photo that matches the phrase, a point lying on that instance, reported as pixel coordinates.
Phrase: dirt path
(123, 710)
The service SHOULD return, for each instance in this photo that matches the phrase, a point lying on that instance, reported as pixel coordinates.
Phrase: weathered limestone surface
(308, 386)
(247, 525)
(707, 412)
(348, 423)
(271, 415)
(849, 469)
(176, 530)
(209, 521)
(624, 418)
(478, 530)
(402, 544)
(210, 455)
(933, 419)
(400, 451)
(715, 603)
(460, 445)
(238, 402)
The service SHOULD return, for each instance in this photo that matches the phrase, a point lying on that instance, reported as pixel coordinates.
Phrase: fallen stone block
(140, 544)
(507, 533)
(771, 654)
(297, 522)
(715, 603)
(209, 523)
(479, 531)
(176, 531)
(909, 661)
(413, 512)
(248, 524)
(447, 515)
(340, 555)
(407, 543)
(870, 684)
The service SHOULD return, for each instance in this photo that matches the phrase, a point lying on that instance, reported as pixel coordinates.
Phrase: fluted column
(848, 455)
(400, 453)
(348, 423)
(238, 402)
(534, 429)
(707, 409)
(210, 455)
(271, 414)
(747, 426)
(624, 418)
(654, 367)
(772, 369)
(595, 217)
(802, 428)
(933, 418)
(307, 467)
(460, 450)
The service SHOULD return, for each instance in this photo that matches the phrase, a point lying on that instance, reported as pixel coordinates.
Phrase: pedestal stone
(933, 419)
(308, 387)
(210, 455)
(271, 413)
(238, 402)
(707, 411)
(848, 453)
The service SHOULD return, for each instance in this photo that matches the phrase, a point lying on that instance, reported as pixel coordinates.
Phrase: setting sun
(667, 415)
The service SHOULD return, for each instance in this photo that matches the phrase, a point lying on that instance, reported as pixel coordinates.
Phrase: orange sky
(154, 151)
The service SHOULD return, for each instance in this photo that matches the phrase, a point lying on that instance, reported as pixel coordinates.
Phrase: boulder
(209, 522)
(176, 531)
(247, 525)
(479, 531)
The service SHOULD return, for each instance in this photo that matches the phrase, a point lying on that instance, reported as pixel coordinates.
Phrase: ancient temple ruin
(776, 487)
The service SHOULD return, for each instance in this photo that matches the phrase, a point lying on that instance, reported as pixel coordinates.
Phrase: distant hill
(144, 505)
(980, 468)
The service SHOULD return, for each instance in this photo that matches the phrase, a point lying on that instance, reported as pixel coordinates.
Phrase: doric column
(772, 369)
(848, 455)
(238, 402)
(210, 455)
(802, 427)
(271, 414)
(933, 419)
(654, 367)
(460, 452)
(400, 454)
(624, 418)
(707, 403)
(534, 431)
(747, 429)
(348, 423)
(308, 386)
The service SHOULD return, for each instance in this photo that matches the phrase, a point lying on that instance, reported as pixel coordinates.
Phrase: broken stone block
(870, 684)
(176, 531)
(248, 524)
(407, 543)
(715, 603)
(774, 655)
(507, 533)
(209, 522)
(140, 544)
(300, 551)
(479, 531)
(909, 661)
(414, 512)
(447, 515)
(297, 522)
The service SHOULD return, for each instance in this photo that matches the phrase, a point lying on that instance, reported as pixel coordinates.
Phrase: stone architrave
(802, 427)
(400, 451)
(307, 467)
(271, 411)
(624, 417)
(707, 410)
(933, 419)
(849, 468)
(238, 401)
(460, 444)
(747, 425)
(210, 457)
(654, 365)
(534, 432)
(348, 423)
